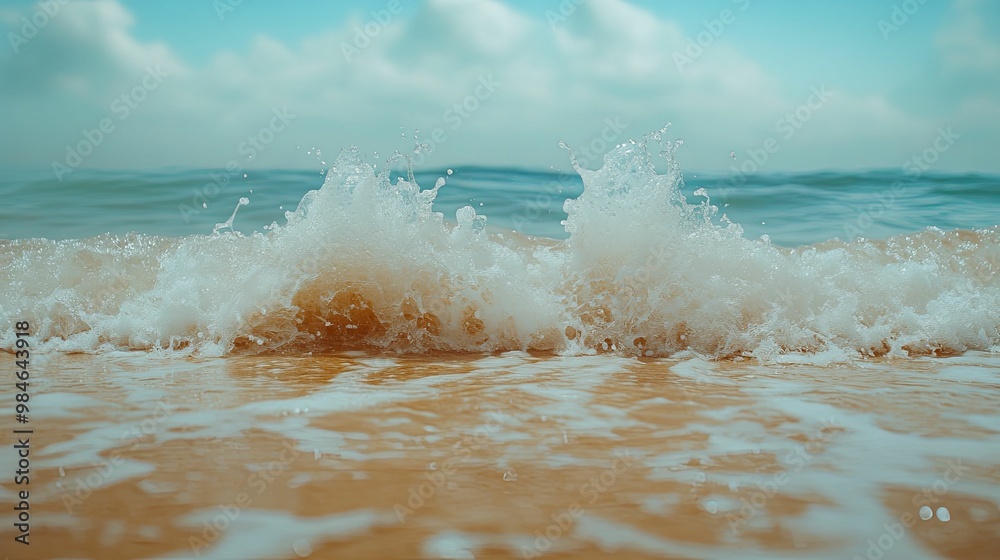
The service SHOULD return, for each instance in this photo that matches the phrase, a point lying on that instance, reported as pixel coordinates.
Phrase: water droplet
(943, 514)
(510, 476)
(450, 172)
(244, 175)
(204, 205)
(926, 513)
(712, 508)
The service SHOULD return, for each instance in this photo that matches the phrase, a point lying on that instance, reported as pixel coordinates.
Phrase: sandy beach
(512, 455)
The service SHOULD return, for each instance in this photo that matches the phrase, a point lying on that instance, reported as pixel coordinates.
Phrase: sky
(790, 85)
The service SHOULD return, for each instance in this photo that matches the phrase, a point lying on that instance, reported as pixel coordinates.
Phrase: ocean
(366, 361)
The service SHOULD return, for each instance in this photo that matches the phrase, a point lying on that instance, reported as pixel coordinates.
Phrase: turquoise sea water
(791, 208)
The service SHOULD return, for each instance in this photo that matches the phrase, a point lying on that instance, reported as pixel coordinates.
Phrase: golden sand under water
(508, 456)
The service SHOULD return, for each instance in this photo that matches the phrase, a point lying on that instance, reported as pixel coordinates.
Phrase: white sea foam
(366, 263)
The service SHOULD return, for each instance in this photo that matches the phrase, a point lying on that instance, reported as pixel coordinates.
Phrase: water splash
(366, 262)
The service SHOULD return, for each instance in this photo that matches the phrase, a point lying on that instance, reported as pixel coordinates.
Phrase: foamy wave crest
(365, 263)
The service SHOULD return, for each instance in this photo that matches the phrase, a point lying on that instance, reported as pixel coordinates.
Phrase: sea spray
(365, 262)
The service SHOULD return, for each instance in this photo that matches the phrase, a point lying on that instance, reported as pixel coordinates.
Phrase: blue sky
(599, 72)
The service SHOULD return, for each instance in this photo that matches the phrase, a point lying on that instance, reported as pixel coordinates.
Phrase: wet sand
(513, 455)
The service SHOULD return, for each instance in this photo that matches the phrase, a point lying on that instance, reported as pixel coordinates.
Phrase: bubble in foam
(943, 514)
(926, 513)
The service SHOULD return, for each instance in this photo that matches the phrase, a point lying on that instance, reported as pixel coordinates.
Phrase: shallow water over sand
(512, 455)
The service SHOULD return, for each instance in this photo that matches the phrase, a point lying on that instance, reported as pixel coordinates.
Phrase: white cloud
(965, 43)
(967, 78)
(84, 49)
(608, 59)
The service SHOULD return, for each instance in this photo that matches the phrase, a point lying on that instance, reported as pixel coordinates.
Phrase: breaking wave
(365, 263)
